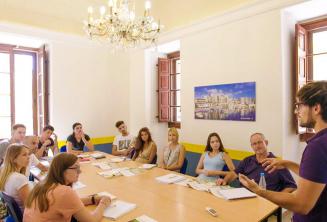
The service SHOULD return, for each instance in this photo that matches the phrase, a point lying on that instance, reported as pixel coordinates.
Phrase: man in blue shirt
(280, 180)
(309, 201)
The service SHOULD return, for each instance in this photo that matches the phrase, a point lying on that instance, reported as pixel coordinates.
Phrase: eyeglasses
(297, 105)
(77, 168)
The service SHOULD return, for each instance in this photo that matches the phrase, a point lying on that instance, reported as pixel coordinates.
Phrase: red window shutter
(42, 88)
(301, 63)
(163, 89)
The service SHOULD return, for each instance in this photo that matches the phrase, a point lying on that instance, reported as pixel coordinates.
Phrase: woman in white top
(12, 177)
(172, 156)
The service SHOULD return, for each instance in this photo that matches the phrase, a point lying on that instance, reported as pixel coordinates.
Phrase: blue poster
(234, 101)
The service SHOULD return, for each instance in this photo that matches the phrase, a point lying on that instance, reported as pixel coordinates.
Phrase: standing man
(46, 142)
(309, 201)
(124, 142)
(279, 180)
(17, 136)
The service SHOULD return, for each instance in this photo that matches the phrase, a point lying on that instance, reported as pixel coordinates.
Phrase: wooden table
(170, 202)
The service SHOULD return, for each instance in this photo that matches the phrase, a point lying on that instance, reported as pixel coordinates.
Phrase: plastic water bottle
(262, 182)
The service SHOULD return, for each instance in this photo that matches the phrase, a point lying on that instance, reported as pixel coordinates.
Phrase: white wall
(143, 95)
(242, 46)
(243, 51)
(88, 83)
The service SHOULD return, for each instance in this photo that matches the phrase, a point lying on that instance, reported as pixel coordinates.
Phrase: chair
(184, 166)
(12, 206)
(225, 168)
(63, 149)
(154, 161)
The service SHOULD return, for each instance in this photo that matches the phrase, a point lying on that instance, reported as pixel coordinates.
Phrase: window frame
(13, 50)
(306, 29)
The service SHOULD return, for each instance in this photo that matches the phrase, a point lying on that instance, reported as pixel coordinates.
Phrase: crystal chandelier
(119, 26)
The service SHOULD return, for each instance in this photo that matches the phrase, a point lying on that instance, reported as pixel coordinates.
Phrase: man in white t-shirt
(123, 143)
(17, 136)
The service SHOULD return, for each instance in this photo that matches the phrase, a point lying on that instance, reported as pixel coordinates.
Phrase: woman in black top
(76, 141)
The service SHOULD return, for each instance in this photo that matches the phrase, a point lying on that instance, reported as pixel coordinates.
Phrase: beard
(310, 123)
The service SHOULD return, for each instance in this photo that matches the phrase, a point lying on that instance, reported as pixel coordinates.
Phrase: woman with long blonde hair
(173, 155)
(54, 199)
(12, 175)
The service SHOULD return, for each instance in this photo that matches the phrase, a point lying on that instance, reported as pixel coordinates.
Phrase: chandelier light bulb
(110, 3)
(102, 10)
(132, 15)
(90, 10)
(147, 5)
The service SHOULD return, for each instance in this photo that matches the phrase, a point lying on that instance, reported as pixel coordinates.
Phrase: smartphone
(211, 211)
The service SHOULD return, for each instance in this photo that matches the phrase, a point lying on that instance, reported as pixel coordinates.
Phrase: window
(169, 89)
(311, 58)
(23, 89)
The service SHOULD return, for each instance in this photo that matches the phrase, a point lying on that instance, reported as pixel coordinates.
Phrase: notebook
(117, 159)
(236, 193)
(97, 155)
(170, 178)
(148, 166)
(117, 209)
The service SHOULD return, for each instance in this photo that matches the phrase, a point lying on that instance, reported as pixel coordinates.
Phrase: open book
(234, 193)
(148, 166)
(102, 165)
(170, 178)
(117, 209)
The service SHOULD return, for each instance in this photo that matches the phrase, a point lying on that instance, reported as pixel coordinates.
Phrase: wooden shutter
(42, 88)
(301, 62)
(163, 90)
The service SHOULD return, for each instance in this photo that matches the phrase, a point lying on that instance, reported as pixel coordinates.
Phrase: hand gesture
(250, 184)
(272, 164)
(47, 143)
(55, 136)
(105, 201)
(221, 182)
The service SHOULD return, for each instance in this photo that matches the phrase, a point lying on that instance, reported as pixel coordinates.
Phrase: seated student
(77, 140)
(279, 180)
(53, 199)
(212, 162)
(145, 148)
(124, 142)
(172, 157)
(46, 142)
(32, 143)
(12, 175)
(18, 133)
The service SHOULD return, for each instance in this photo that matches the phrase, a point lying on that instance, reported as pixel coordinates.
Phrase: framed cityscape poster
(236, 101)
